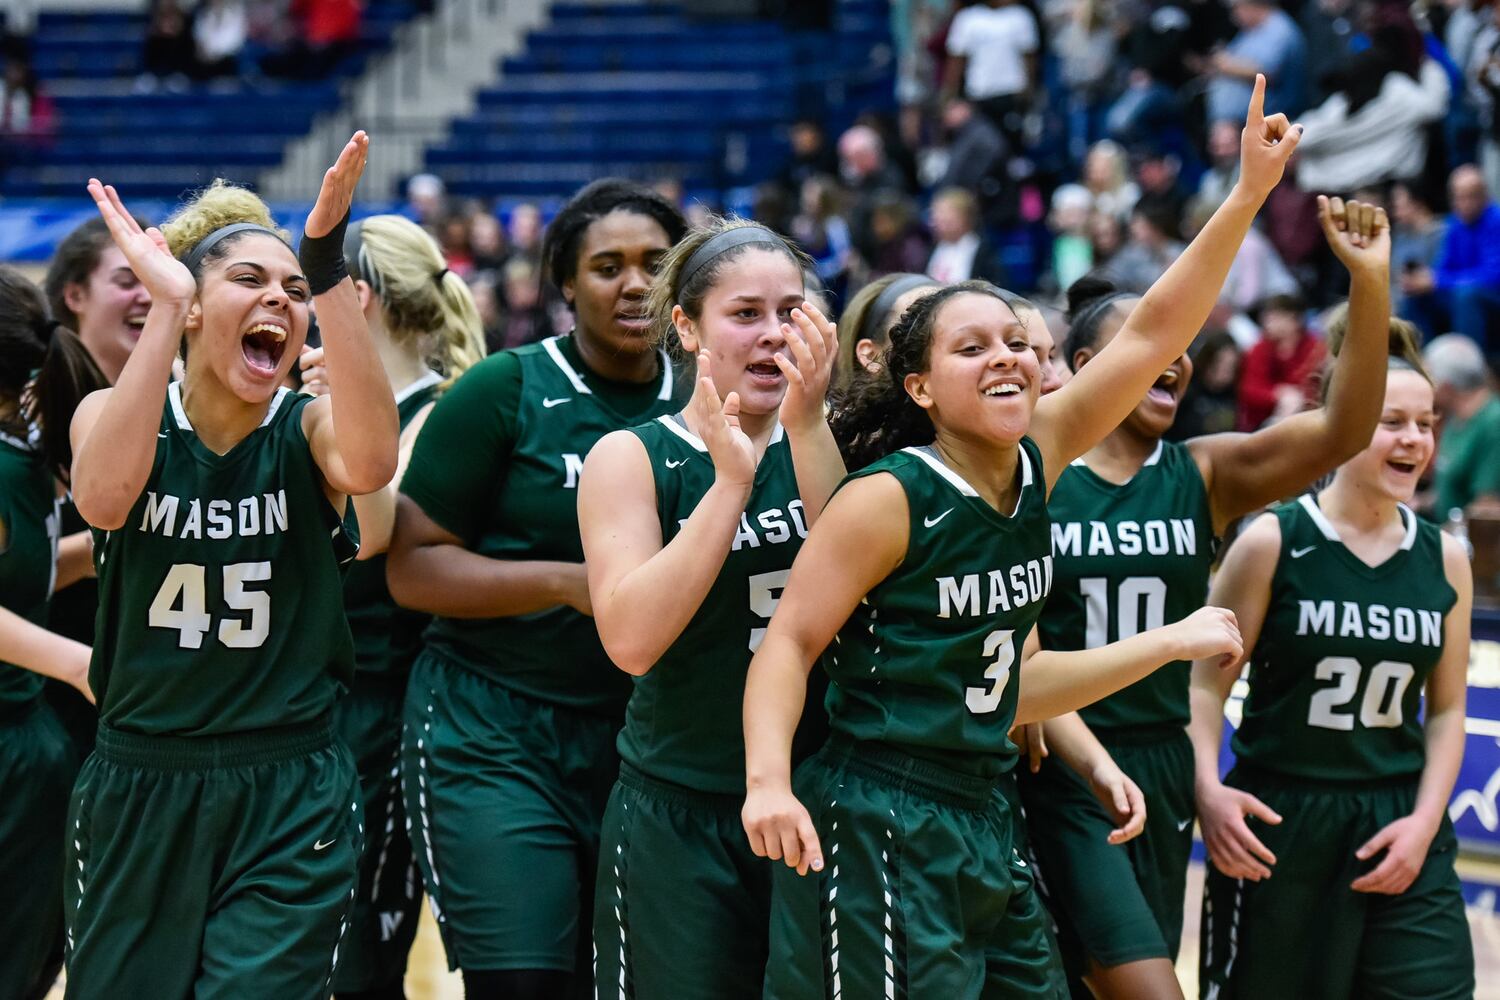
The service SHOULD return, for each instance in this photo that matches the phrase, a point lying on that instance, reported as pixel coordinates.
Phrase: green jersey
(928, 660)
(683, 723)
(386, 637)
(1336, 676)
(74, 608)
(497, 465)
(1130, 558)
(28, 551)
(221, 596)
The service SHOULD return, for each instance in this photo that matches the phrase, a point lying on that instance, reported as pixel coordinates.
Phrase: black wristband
(322, 257)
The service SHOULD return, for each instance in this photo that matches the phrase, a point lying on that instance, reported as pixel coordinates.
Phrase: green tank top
(1130, 558)
(928, 660)
(683, 723)
(552, 655)
(386, 637)
(221, 597)
(73, 609)
(1336, 675)
(28, 552)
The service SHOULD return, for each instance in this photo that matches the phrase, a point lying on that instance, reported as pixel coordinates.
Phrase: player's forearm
(672, 583)
(818, 466)
(453, 582)
(112, 464)
(1075, 744)
(365, 423)
(1444, 737)
(33, 648)
(75, 559)
(775, 696)
(1054, 683)
(1357, 389)
(1206, 729)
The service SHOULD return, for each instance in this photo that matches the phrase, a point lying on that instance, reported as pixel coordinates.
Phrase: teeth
(270, 328)
(1005, 389)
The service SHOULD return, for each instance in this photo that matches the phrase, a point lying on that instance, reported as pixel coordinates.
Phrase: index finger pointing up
(1257, 111)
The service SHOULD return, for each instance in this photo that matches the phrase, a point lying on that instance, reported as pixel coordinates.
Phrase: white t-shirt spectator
(995, 41)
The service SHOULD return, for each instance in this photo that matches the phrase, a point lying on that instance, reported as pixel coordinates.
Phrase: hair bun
(1087, 290)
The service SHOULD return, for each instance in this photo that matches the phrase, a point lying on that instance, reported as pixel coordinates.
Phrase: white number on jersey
(181, 604)
(1140, 604)
(982, 700)
(1379, 709)
(765, 594)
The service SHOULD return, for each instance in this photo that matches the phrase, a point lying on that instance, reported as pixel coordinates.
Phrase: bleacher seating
(158, 145)
(645, 91)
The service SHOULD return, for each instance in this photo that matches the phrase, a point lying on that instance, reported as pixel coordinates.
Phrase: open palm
(165, 277)
(337, 192)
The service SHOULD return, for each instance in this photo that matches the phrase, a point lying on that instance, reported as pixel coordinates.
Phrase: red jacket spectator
(1279, 373)
(327, 22)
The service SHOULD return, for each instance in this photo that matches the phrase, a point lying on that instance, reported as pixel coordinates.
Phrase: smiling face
(983, 377)
(1153, 415)
(250, 320)
(1403, 442)
(111, 306)
(616, 259)
(740, 326)
(1054, 374)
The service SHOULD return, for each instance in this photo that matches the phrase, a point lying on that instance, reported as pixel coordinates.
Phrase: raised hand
(729, 447)
(1265, 144)
(165, 277)
(1232, 848)
(814, 344)
(780, 828)
(337, 192)
(1210, 634)
(1359, 234)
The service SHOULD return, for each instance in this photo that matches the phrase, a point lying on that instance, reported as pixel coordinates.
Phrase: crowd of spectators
(245, 39)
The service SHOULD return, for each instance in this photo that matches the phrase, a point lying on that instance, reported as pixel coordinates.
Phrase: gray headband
(721, 244)
(886, 301)
(194, 257)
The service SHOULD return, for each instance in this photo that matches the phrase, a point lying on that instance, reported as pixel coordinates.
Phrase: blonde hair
(422, 301)
(216, 206)
(851, 322)
(1404, 344)
(664, 292)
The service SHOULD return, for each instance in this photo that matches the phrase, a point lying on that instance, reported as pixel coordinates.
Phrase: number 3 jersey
(683, 723)
(1336, 675)
(928, 662)
(221, 596)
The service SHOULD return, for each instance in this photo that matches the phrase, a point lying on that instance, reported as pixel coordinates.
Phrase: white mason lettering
(572, 469)
(955, 595)
(160, 514)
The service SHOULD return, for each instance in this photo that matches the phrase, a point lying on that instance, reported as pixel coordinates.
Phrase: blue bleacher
(647, 92)
(160, 144)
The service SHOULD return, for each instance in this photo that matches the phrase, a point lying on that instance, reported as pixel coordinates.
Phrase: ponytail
(45, 371)
(1404, 345)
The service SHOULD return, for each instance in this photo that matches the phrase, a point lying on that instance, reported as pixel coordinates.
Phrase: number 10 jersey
(1336, 675)
(221, 596)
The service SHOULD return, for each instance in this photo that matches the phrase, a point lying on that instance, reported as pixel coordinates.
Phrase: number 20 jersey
(221, 596)
(929, 661)
(1336, 674)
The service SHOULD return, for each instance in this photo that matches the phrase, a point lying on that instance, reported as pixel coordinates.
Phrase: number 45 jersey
(1336, 675)
(221, 596)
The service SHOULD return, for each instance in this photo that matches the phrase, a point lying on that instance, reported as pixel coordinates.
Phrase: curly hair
(216, 206)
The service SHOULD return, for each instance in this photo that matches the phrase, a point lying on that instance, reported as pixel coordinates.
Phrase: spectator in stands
(1329, 28)
(1257, 272)
(1106, 237)
(1152, 248)
(524, 230)
(867, 175)
(1374, 126)
(820, 229)
(1416, 237)
(486, 242)
(992, 49)
(1072, 250)
(1211, 404)
(25, 112)
(1282, 367)
(1268, 42)
(327, 32)
(977, 155)
(1085, 38)
(426, 201)
(811, 155)
(168, 57)
(1462, 290)
(1223, 164)
(1107, 177)
(1158, 178)
(960, 252)
(1466, 471)
(900, 244)
(453, 237)
(1482, 79)
(219, 31)
(523, 314)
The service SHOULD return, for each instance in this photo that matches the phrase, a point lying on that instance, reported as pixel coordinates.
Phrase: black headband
(721, 244)
(361, 268)
(880, 309)
(1095, 309)
(194, 257)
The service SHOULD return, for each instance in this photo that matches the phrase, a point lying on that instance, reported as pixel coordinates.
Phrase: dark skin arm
(429, 569)
(1244, 472)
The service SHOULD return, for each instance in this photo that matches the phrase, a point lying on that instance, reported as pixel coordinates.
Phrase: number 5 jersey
(221, 596)
(1336, 675)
